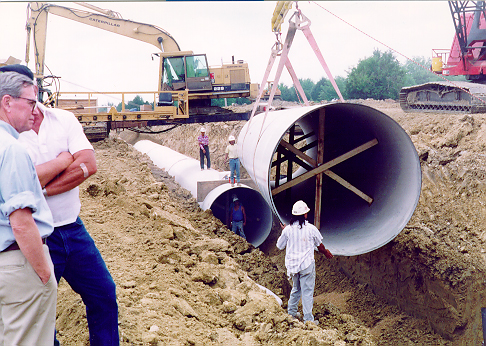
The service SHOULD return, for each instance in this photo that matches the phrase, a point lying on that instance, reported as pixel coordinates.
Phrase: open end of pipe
(258, 213)
(388, 173)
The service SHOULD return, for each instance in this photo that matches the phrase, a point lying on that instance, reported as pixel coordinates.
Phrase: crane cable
(397, 52)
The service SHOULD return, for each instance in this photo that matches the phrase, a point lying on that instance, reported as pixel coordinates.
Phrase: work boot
(297, 316)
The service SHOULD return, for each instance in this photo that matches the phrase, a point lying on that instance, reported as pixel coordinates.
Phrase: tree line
(380, 76)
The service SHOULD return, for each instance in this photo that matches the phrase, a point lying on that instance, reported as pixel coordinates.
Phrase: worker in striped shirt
(300, 238)
(203, 141)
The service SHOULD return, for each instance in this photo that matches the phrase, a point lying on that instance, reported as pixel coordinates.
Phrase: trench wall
(452, 309)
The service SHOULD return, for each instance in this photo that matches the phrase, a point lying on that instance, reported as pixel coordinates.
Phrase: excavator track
(446, 97)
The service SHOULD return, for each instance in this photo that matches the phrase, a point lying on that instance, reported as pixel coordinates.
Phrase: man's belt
(15, 246)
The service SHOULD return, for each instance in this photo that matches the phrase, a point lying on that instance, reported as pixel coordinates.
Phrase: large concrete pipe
(350, 163)
(187, 172)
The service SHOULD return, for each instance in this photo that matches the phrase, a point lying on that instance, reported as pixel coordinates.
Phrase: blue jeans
(79, 262)
(303, 284)
(201, 157)
(234, 167)
(237, 227)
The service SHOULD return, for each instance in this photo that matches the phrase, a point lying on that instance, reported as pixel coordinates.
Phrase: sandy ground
(184, 279)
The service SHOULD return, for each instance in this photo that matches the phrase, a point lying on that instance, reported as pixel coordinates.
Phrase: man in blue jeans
(234, 162)
(299, 239)
(238, 218)
(73, 251)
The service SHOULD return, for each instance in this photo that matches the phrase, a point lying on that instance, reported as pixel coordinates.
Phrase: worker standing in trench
(237, 217)
(234, 162)
(203, 142)
(300, 238)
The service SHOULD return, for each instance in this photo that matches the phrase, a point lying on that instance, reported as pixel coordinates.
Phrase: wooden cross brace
(324, 168)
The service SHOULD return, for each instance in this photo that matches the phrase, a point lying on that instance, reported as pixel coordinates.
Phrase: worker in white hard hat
(238, 217)
(234, 161)
(300, 238)
(203, 141)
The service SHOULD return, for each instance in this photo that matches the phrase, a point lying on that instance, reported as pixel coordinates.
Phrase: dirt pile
(184, 279)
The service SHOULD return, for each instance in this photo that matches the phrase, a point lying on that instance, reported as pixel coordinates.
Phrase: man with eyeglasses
(76, 258)
(28, 290)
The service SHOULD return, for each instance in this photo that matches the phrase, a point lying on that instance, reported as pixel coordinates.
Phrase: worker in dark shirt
(238, 218)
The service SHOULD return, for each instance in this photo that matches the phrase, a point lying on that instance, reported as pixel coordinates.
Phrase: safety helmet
(235, 199)
(300, 208)
(231, 138)
(203, 129)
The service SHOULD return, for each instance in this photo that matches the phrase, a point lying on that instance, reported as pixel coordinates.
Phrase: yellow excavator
(186, 82)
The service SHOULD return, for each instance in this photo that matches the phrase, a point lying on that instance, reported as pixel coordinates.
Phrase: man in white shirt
(300, 238)
(72, 249)
(234, 162)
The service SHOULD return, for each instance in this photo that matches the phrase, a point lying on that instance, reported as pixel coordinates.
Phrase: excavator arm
(110, 21)
(184, 77)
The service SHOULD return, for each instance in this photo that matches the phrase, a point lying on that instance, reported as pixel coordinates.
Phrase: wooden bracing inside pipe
(286, 151)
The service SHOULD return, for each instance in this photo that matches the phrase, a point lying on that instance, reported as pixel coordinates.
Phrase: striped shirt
(300, 244)
(203, 140)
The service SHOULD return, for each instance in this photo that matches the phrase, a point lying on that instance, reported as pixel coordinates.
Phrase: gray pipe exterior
(187, 172)
(389, 172)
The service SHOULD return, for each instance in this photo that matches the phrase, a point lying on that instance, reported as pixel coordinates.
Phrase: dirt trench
(184, 279)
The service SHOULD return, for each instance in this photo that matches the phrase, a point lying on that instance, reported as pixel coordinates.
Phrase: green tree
(287, 94)
(324, 90)
(307, 85)
(133, 104)
(290, 93)
(419, 71)
(379, 77)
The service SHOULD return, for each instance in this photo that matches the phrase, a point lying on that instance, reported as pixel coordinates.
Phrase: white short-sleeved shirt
(59, 131)
(300, 244)
(232, 151)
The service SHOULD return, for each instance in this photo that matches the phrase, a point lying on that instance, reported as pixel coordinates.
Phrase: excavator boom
(185, 78)
(37, 25)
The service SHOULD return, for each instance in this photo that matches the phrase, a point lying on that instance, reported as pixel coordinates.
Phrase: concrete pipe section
(350, 163)
(187, 172)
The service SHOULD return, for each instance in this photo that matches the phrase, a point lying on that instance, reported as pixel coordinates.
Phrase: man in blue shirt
(238, 218)
(55, 135)
(27, 294)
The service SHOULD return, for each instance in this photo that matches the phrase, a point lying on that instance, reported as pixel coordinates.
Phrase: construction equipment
(467, 57)
(186, 83)
(268, 89)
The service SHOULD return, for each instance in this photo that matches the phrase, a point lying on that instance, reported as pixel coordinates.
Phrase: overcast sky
(87, 58)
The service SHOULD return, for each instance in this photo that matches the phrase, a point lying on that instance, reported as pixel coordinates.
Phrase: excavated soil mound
(184, 279)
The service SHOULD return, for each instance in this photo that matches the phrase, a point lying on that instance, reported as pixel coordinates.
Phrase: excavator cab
(186, 72)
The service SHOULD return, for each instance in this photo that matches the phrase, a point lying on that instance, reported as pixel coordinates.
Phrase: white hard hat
(300, 208)
(231, 138)
(203, 129)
